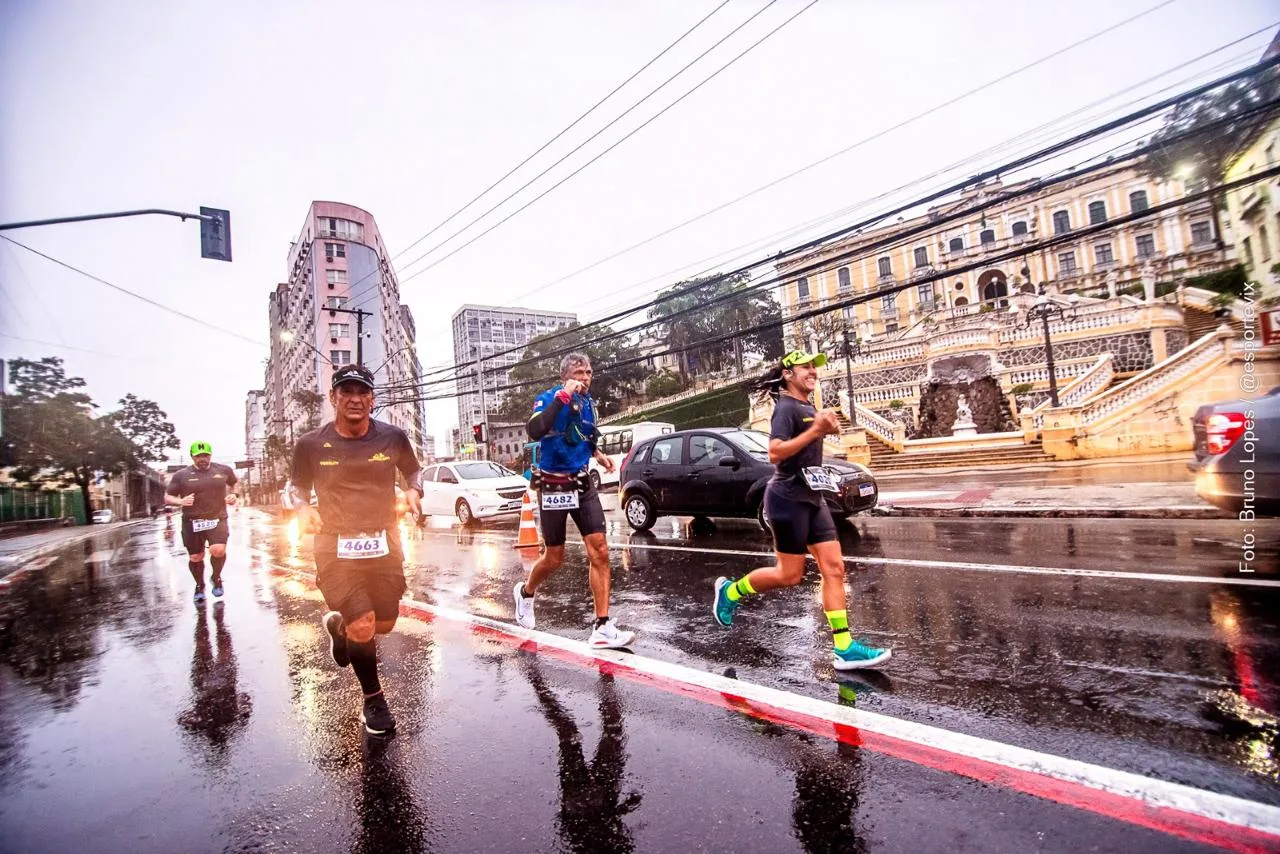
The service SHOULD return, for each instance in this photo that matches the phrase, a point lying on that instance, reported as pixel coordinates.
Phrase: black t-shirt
(791, 417)
(355, 479)
(208, 486)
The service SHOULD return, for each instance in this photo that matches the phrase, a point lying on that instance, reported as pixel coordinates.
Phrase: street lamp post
(1044, 309)
(288, 336)
(852, 349)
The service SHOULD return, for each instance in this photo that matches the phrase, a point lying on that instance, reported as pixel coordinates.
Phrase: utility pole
(483, 447)
(360, 314)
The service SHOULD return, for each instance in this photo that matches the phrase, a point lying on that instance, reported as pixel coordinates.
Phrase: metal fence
(18, 503)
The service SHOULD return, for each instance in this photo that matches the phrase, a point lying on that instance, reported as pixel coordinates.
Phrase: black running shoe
(337, 640)
(377, 716)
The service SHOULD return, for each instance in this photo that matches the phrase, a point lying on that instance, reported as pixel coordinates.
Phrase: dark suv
(719, 471)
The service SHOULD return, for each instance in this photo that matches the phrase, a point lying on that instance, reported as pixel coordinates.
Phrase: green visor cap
(797, 357)
(198, 448)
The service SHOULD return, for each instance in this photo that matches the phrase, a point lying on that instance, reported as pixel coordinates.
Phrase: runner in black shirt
(351, 463)
(796, 512)
(203, 490)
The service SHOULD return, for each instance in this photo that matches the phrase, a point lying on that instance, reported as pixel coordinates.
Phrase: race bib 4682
(559, 501)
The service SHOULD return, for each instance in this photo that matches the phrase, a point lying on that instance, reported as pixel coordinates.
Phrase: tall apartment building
(1177, 243)
(482, 331)
(338, 264)
(255, 434)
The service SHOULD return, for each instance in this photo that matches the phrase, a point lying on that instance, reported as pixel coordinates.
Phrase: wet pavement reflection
(225, 727)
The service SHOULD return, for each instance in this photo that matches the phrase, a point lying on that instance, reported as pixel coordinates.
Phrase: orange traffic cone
(529, 537)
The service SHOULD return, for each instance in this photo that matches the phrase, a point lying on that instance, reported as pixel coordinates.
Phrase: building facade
(1175, 244)
(1255, 211)
(339, 265)
(506, 443)
(485, 332)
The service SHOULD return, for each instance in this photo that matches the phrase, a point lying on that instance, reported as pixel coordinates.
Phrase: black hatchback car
(720, 471)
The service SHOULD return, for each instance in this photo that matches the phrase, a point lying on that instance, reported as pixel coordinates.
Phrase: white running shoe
(609, 636)
(524, 606)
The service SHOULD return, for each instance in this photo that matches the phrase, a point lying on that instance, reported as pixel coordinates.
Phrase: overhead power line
(135, 295)
(1013, 165)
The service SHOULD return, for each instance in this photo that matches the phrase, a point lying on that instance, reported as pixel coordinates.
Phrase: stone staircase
(1013, 455)
(1201, 321)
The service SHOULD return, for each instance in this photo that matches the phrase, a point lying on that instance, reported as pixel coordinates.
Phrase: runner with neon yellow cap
(796, 513)
(203, 490)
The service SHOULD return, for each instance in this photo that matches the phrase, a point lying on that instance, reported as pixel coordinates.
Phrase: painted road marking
(1225, 821)
(1236, 581)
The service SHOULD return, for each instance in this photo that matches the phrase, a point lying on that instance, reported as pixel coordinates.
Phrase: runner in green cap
(203, 490)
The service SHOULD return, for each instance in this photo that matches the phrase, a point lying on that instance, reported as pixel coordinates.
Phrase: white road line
(1240, 581)
(1147, 791)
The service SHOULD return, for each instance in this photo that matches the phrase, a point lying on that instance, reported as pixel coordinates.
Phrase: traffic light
(477, 433)
(215, 234)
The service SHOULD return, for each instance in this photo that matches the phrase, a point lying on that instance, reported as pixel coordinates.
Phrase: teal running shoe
(723, 607)
(859, 655)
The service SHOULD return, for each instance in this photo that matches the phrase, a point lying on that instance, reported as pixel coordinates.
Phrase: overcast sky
(409, 109)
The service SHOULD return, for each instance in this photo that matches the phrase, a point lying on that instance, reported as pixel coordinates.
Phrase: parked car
(721, 471)
(616, 443)
(103, 517)
(1237, 454)
(472, 490)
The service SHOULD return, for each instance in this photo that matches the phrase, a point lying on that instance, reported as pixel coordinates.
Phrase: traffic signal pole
(484, 411)
(215, 226)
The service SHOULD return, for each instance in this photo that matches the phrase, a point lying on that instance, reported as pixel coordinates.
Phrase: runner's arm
(542, 421)
(301, 476)
(408, 464)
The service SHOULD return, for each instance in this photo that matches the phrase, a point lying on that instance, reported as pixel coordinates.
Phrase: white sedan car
(472, 490)
(103, 517)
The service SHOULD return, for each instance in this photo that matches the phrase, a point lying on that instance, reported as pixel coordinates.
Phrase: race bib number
(819, 479)
(363, 546)
(198, 525)
(559, 501)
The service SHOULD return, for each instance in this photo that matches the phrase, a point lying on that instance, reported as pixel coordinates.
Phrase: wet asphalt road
(130, 720)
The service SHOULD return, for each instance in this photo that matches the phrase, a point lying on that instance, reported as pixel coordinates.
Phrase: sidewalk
(1098, 501)
(16, 551)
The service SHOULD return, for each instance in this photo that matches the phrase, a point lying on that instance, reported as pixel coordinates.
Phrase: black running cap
(352, 373)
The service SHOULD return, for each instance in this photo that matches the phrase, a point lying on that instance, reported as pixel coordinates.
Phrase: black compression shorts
(796, 525)
(353, 588)
(195, 540)
(589, 517)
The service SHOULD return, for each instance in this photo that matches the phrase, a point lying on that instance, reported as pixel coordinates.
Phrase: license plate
(559, 501)
(204, 524)
(511, 505)
(363, 546)
(819, 478)
(865, 489)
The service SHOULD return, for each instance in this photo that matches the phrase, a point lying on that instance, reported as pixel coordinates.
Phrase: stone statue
(963, 425)
(1111, 284)
(1149, 281)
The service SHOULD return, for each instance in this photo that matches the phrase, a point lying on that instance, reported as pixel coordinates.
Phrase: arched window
(1061, 222)
(957, 244)
(988, 235)
(1019, 228)
(1138, 201)
(1097, 213)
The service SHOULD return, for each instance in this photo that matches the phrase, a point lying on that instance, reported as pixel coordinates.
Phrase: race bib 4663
(363, 546)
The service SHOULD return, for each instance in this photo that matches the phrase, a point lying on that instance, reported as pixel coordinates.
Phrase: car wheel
(595, 480)
(762, 518)
(463, 511)
(639, 512)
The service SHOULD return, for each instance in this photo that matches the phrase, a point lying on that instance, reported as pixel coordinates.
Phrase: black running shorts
(589, 517)
(353, 588)
(796, 525)
(195, 540)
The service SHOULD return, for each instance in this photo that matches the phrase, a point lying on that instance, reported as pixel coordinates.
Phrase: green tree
(310, 402)
(147, 427)
(664, 384)
(279, 452)
(1206, 152)
(56, 438)
(611, 387)
(681, 323)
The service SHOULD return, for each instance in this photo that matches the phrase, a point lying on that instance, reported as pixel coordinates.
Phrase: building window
(1146, 245)
(886, 266)
(957, 244)
(344, 228)
(339, 330)
(1138, 201)
(889, 303)
(335, 250)
(335, 302)
(843, 275)
(1020, 228)
(922, 256)
(988, 235)
(1201, 233)
(340, 357)
(1248, 252)
(336, 277)
(1061, 222)
(890, 327)
(802, 289)
(924, 294)
(1263, 243)
(1097, 213)
(1102, 254)
(1066, 262)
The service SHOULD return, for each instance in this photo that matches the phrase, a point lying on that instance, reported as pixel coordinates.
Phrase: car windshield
(481, 471)
(756, 444)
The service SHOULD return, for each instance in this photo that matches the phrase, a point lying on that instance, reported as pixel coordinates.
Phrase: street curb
(1056, 512)
(10, 563)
